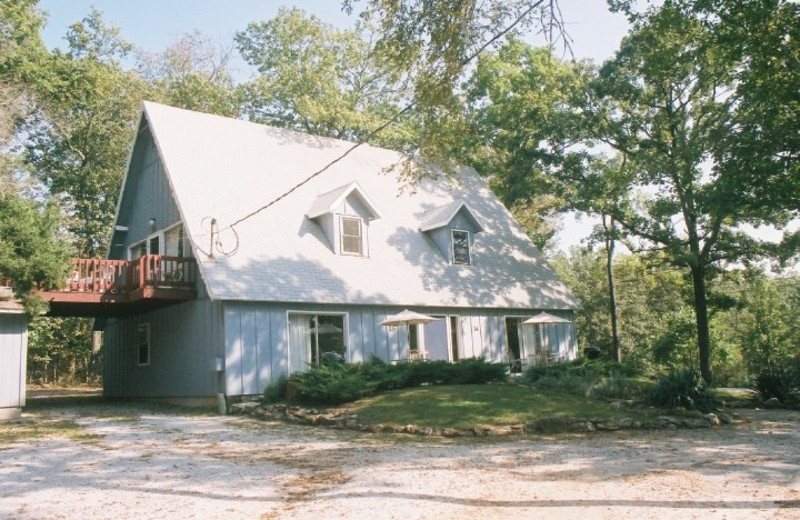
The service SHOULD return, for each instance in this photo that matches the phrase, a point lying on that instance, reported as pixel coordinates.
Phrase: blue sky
(151, 25)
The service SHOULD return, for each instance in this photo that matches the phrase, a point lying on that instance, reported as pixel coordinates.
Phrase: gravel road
(139, 461)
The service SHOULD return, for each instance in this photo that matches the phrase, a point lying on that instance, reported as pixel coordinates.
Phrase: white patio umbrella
(407, 318)
(543, 318)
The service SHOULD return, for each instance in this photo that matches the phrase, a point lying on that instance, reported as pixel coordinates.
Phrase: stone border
(346, 420)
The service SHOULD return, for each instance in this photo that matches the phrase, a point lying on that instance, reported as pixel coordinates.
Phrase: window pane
(351, 235)
(460, 247)
(351, 227)
(351, 244)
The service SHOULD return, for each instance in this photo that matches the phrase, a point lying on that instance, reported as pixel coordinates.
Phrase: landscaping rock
(245, 407)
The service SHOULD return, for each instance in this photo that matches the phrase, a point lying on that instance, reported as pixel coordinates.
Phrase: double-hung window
(352, 239)
(461, 253)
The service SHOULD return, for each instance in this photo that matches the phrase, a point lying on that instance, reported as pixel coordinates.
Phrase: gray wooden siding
(13, 352)
(442, 236)
(257, 337)
(185, 341)
(146, 196)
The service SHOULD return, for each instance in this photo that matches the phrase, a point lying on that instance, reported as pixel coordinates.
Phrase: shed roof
(226, 168)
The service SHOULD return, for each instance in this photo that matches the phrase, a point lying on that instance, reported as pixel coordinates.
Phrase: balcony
(103, 288)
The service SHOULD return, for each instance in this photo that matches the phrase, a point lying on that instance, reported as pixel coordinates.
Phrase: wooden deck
(98, 287)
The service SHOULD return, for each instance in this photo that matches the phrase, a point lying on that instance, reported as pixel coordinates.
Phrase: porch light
(152, 223)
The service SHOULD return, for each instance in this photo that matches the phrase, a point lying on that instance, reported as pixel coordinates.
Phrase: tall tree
(317, 79)
(523, 126)
(669, 100)
(77, 142)
(193, 73)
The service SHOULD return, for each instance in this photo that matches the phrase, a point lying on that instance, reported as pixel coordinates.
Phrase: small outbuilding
(13, 355)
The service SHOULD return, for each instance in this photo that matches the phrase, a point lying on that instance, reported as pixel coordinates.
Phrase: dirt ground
(139, 461)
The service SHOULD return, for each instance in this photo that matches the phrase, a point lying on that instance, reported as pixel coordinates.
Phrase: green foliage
(317, 79)
(60, 351)
(682, 388)
(78, 140)
(591, 378)
(779, 382)
(276, 390)
(31, 253)
(192, 73)
(337, 383)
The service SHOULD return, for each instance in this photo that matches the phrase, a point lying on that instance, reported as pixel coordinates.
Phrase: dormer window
(452, 228)
(461, 253)
(352, 237)
(344, 216)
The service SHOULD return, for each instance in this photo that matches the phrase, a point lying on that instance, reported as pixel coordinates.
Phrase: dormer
(344, 215)
(452, 228)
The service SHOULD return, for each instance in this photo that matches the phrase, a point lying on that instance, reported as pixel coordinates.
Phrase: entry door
(436, 343)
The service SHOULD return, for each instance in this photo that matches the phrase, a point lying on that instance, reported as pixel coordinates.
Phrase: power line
(410, 106)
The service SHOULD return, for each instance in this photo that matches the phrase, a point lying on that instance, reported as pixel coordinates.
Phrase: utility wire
(410, 106)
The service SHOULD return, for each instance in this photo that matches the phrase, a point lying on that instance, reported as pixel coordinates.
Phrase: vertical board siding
(263, 351)
(13, 353)
(253, 339)
(146, 196)
(185, 341)
(233, 352)
(249, 342)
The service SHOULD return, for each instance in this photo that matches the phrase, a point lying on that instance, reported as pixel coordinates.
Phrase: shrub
(276, 390)
(334, 383)
(778, 382)
(682, 387)
(337, 383)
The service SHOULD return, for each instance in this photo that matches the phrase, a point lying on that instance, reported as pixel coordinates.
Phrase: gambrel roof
(224, 169)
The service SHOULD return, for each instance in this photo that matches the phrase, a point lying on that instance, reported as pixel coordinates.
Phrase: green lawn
(468, 405)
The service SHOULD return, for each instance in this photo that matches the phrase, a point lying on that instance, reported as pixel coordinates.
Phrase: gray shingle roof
(326, 202)
(440, 217)
(225, 168)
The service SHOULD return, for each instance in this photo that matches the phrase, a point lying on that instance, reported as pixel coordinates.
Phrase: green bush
(333, 384)
(601, 379)
(337, 383)
(778, 382)
(276, 390)
(583, 368)
(682, 387)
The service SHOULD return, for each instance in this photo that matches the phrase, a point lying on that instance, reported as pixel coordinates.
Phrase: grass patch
(34, 428)
(453, 406)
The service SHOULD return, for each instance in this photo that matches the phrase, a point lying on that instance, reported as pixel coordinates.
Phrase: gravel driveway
(139, 461)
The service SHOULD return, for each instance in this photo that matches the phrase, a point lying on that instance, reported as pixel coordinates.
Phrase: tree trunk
(612, 295)
(701, 316)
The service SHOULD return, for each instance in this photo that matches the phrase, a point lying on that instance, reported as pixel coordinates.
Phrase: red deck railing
(92, 275)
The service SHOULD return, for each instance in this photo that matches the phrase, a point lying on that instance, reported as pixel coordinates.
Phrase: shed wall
(13, 354)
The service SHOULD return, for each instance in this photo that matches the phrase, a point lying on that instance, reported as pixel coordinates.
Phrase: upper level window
(352, 242)
(461, 247)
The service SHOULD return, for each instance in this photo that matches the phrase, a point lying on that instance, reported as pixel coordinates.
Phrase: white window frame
(143, 328)
(181, 238)
(361, 242)
(345, 332)
(146, 241)
(453, 246)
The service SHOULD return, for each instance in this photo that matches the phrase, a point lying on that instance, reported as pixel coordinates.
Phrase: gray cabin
(13, 354)
(274, 289)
